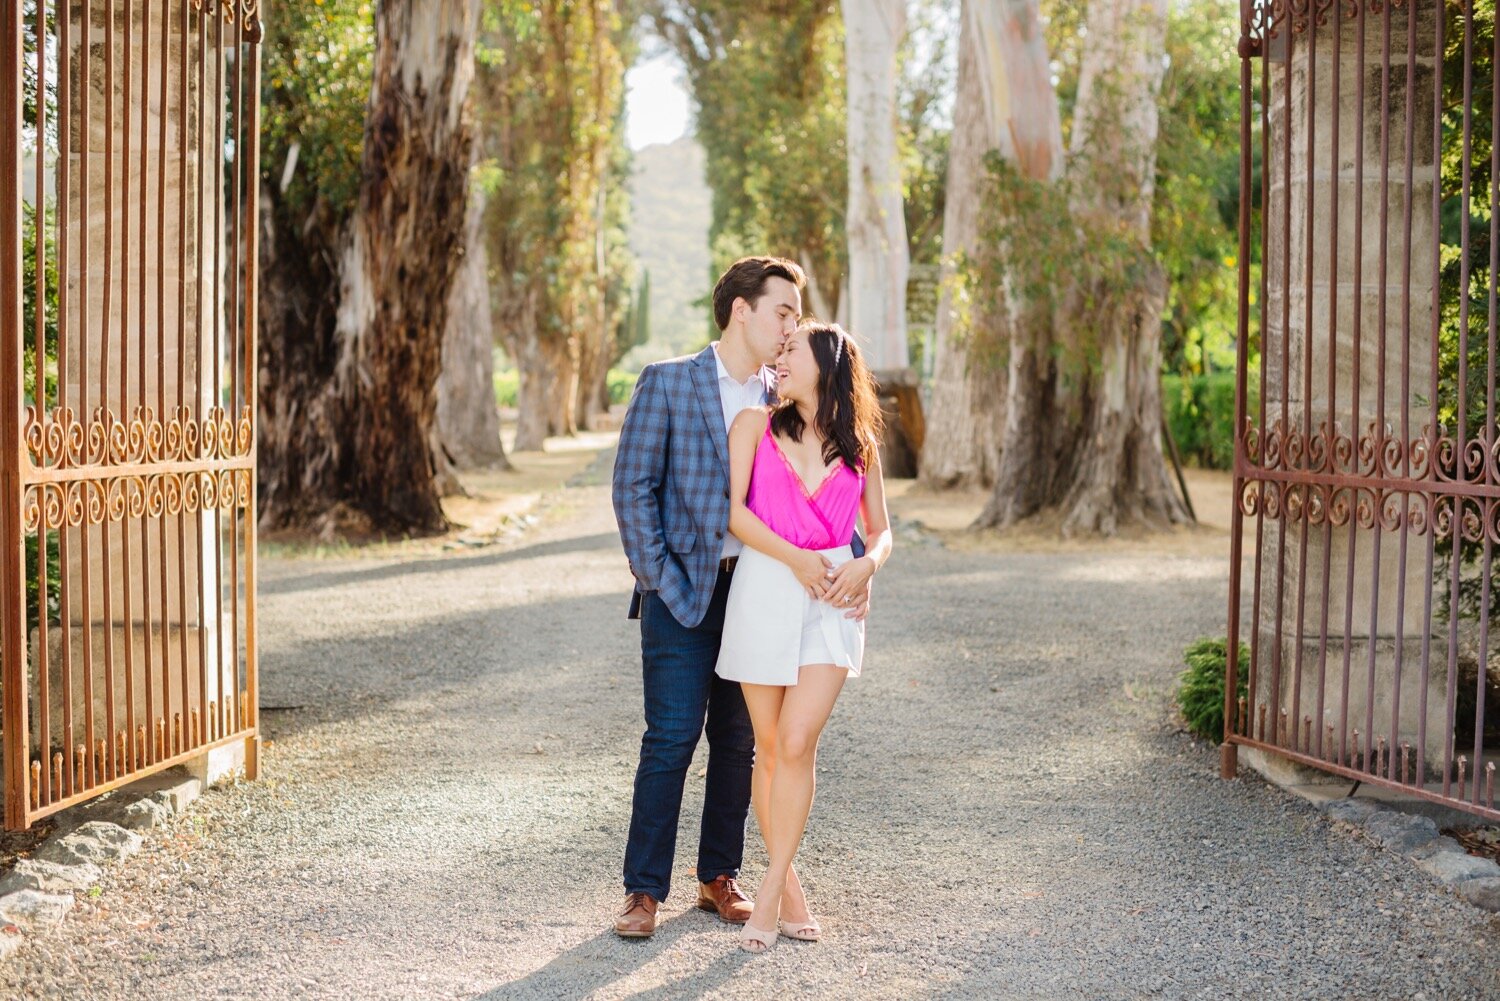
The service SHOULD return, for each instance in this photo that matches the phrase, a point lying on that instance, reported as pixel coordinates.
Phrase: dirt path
(1004, 808)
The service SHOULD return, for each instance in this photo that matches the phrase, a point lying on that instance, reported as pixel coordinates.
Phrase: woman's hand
(849, 581)
(811, 569)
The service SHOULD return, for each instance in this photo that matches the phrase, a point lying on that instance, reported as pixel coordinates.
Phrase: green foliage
(1195, 208)
(635, 328)
(54, 580)
(1456, 298)
(28, 76)
(621, 385)
(29, 303)
(768, 83)
(508, 383)
(507, 387)
(1200, 411)
(315, 81)
(927, 77)
(1200, 690)
(1055, 260)
(1046, 255)
(549, 96)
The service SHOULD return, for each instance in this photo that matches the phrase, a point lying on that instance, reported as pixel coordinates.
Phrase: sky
(656, 101)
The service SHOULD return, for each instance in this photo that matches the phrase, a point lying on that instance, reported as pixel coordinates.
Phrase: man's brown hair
(746, 279)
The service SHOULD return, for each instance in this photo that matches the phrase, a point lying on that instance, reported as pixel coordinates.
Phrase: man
(671, 499)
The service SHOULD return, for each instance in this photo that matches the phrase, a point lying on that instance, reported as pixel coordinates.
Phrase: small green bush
(1200, 692)
(621, 385)
(507, 385)
(1200, 412)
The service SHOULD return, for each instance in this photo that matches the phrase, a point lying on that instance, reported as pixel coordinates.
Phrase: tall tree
(876, 225)
(1082, 431)
(551, 75)
(768, 84)
(349, 405)
(467, 428)
(1004, 106)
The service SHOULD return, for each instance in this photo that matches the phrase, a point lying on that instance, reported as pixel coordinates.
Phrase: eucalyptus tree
(767, 83)
(361, 242)
(551, 80)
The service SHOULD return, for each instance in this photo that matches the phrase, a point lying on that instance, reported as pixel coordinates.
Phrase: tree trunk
(594, 350)
(1089, 442)
(1121, 475)
(357, 454)
(819, 304)
(1004, 104)
(548, 394)
(467, 429)
(876, 222)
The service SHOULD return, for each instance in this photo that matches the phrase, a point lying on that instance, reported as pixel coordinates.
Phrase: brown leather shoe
(638, 919)
(725, 897)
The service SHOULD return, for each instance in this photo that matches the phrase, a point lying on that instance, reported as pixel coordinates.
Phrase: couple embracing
(740, 474)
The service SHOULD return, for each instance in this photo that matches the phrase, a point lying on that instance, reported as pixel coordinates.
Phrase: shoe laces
(635, 900)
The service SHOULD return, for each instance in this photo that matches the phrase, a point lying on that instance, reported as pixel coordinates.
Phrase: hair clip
(838, 349)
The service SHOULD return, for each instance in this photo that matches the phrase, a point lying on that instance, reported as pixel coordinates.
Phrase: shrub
(621, 385)
(1200, 412)
(507, 384)
(1200, 692)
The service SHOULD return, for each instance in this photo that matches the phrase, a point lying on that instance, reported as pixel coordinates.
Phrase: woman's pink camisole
(820, 519)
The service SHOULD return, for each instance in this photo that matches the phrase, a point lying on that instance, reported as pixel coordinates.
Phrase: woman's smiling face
(797, 369)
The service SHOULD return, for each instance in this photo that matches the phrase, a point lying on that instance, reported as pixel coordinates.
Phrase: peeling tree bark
(875, 223)
(1089, 443)
(467, 426)
(1004, 104)
(355, 453)
(1122, 475)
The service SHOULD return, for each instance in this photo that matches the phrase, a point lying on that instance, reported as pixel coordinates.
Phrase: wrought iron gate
(1367, 467)
(128, 152)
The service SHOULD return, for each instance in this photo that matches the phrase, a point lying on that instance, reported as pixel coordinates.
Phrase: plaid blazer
(671, 484)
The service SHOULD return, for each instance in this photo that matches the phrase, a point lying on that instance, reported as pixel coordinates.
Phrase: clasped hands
(848, 586)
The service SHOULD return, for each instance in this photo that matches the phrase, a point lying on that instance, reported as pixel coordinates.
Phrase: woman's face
(797, 369)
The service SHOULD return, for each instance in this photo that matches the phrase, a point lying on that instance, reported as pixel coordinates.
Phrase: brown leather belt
(726, 565)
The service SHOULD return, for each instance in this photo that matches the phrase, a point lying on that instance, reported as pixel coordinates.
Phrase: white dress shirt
(734, 397)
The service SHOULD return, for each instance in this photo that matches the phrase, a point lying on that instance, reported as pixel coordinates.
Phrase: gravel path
(1005, 809)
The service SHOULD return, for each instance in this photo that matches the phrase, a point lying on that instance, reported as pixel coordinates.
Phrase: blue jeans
(684, 698)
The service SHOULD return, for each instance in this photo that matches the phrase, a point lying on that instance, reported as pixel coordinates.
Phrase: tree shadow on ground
(604, 959)
(295, 583)
(313, 681)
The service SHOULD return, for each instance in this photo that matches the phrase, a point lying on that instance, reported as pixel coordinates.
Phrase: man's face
(772, 319)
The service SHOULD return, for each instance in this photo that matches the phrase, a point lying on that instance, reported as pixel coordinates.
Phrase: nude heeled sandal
(807, 931)
(749, 933)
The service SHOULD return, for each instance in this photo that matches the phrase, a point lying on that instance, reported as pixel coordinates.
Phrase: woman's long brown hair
(848, 416)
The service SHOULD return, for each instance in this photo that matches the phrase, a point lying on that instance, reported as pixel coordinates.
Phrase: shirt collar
(757, 376)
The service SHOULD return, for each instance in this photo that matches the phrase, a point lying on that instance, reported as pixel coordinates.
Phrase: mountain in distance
(669, 218)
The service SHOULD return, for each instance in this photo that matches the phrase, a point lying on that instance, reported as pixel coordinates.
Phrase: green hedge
(1200, 411)
(507, 384)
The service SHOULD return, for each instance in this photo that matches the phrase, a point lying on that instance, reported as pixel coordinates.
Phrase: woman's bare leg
(803, 711)
(764, 702)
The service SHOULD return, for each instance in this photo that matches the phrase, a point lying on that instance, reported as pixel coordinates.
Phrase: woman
(799, 473)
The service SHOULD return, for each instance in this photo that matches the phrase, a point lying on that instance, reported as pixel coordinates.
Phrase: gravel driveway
(1004, 810)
